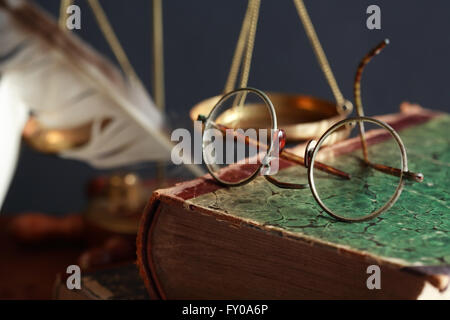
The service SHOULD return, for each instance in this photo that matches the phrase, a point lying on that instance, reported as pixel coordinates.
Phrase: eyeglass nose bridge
(310, 146)
(277, 147)
(265, 167)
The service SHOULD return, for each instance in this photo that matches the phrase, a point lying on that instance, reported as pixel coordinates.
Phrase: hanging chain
(250, 42)
(247, 37)
(112, 39)
(158, 73)
(158, 58)
(245, 45)
(158, 55)
(239, 51)
(344, 106)
(63, 13)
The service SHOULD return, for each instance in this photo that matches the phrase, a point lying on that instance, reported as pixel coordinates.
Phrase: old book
(198, 240)
(116, 283)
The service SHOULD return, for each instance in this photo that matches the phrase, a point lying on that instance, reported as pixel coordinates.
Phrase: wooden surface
(30, 272)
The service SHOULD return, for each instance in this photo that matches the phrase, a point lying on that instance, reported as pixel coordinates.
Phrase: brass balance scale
(302, 117)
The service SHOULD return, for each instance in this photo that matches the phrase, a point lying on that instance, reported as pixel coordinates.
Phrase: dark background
(200, 37)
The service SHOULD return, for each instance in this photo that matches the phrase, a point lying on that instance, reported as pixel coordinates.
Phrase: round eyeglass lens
(237, 136)
(373, 187)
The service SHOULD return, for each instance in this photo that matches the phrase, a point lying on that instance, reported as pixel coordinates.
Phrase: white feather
(64, 83)
(13, 115)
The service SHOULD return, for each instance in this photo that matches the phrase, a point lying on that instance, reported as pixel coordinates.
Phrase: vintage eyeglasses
(362, 178)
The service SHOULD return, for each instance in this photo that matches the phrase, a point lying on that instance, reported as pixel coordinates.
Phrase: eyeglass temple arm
(417, 177)
(286, 155)
(357, 91)
(412, 176)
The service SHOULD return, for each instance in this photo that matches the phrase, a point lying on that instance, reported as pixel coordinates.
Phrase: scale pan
(302, 117)
(54, 140)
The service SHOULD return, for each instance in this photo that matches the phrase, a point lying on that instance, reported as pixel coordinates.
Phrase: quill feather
(65, 83)
(12, 121)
